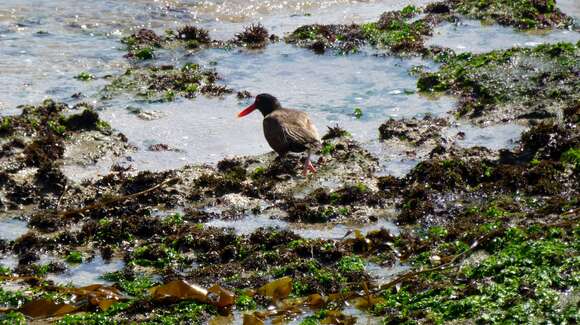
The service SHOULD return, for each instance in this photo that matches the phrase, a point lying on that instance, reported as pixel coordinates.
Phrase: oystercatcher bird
(285, 129)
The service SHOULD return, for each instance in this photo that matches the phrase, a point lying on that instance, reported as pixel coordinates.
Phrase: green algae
(519, 281)
(12, 298)
(146, 53)
(4, 270)
(96, 318)
(84, 76)
(572, 156)
(159, 256)
(183, 312)
(327, 149)
(245, 302)
(13, 318)
(409, 11)
(74, 257)
(133, 284)
(5, 124)
(398, 35)
(343, 39)
(351, 264)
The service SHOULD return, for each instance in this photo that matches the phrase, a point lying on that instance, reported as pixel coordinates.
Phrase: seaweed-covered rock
(342, 38)
(413, 130)
(164, 83)
(390, 20)
(503, 85)
(523, 14)
(143, 37)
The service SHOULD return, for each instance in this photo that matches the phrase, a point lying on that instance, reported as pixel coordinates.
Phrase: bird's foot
(308, 166)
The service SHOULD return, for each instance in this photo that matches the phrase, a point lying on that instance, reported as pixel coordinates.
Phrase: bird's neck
(268, 110)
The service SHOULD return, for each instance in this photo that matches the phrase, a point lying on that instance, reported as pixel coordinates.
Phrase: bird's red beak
(247, 111)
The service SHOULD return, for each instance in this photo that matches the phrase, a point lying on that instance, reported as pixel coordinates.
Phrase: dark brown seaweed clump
(193, 33)
(253, 36)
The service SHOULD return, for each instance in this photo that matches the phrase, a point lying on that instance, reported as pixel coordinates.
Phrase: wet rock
(30, 241)
(438, 8)
(413, 130)
(161, 147)
(243, 94)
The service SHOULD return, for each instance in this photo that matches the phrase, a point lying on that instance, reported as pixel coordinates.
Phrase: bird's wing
(297, 129)
(303, 131)
(275, 135)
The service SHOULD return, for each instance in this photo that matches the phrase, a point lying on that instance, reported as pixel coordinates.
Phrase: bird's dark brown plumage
(286, 130)
(290, 130)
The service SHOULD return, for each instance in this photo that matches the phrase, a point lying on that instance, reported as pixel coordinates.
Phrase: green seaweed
(74, 257)
(245, 302)
(351, 264)
(84, 76)
(519, 282)
(146, 53)
(12, 318)
(133, 285)
(12, 298)
(572, 157)
(398, 35)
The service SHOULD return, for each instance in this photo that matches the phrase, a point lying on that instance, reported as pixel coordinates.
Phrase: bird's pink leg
(308, 166)
(311, 167)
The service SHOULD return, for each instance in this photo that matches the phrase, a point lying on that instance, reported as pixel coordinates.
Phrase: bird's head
(265, 103)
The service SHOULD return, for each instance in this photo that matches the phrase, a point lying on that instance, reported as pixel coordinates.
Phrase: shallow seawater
(88, 273)
(11, 229)
(251, 223)
(494, 137)
(44, 44)
(570, 7)
(9, 261)
(383, 274)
